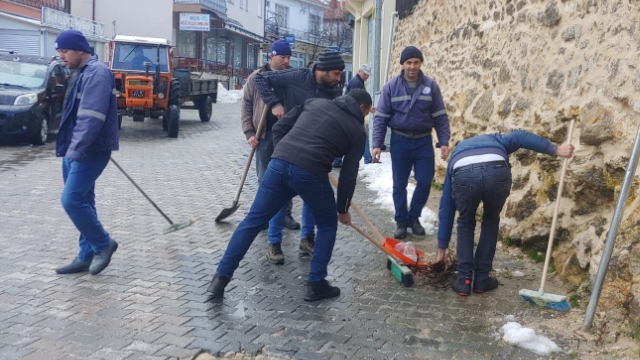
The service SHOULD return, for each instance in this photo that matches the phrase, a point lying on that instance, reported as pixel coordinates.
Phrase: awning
(244, 32)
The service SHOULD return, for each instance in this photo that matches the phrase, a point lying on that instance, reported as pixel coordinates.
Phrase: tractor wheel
(174, 92)
(174, 121)
(165, 120)
(205, 108)
(119, 122)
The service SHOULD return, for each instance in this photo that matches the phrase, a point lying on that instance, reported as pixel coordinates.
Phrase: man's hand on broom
(565, 150)
(440, 256)
(345, 218)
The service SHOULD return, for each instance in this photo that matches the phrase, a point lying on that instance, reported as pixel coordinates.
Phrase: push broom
(540, 298)
(401, 272)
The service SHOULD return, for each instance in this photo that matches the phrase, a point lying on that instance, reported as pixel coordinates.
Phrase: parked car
(31, 96)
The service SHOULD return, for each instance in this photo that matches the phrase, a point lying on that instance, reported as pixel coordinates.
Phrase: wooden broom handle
(360, 214)
(556, 209)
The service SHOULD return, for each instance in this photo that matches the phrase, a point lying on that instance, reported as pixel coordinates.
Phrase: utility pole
(375, 63)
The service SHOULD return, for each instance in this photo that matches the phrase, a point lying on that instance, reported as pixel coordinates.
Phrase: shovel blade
(225, 213)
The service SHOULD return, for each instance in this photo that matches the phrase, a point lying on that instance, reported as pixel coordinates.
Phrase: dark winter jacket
(311, 135)
(90, 115)
(483, 144)
(411, 113)
(297, 85)
(356, 82)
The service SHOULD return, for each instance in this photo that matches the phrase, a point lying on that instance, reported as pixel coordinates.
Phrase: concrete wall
(150, 18)
(536, 65)
(82, 8)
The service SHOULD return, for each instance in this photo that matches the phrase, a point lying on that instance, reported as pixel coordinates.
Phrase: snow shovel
(540, 298)
(226, 212)
(173, 226)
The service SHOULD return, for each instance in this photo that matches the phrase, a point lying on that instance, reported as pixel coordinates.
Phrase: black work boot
(318, 290)
(401, 230)
(416, 227)
(462, 286)
(290, 223)
(274, 254)
(307, 245)
(76, 266)
(480, 286)
(216, 288)
(102, 258)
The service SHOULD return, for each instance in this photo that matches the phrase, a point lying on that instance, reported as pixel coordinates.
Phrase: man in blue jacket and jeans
(479, 171)
(411, 105)
(87, 135)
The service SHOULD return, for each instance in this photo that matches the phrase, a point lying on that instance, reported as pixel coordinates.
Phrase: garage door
(23, 41)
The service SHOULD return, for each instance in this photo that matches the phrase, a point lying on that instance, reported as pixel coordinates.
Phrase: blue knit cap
(281, 47)
(72, 40)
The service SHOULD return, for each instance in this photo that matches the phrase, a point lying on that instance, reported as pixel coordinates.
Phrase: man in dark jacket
(411, 105)
(295, 86)
(306, 140)
(479, 171)
(88, 133)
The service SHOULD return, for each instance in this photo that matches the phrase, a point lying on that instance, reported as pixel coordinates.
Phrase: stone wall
(536, 65)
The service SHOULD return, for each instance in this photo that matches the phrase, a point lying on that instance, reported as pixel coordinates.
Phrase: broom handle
(253, 150)
(554, 220)
(374, 242)
(360, 214)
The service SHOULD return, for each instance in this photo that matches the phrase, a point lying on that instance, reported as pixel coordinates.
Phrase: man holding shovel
(306, 140)
(252, 107)
(296, 86)
(479, 171)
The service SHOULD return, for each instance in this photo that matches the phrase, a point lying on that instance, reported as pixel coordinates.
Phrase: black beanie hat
(410, 52)
(329, 60)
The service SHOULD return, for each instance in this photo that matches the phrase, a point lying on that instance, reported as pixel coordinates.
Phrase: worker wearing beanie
(287, 89)
(252, 108)
(411, 105)
(88, 133)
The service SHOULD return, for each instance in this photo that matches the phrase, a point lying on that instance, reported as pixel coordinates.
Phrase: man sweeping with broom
(306, 140)
(479, 171)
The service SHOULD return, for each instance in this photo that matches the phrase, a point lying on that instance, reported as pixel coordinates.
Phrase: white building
(147, 18)
(32, 27)
(300, 20)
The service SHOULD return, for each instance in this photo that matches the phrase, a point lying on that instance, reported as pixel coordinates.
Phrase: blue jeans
(78, 200)
(282, 181)
(276, 224)
(490, 184)
(367, 152)
(406, 154)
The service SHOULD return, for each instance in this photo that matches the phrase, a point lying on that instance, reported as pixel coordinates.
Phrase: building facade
(301, 23)
(31, 26)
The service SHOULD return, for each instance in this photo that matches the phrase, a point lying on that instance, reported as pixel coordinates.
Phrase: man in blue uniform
(411, 105)
(87, 135)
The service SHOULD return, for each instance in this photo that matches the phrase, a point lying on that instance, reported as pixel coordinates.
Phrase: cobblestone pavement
(150, 302)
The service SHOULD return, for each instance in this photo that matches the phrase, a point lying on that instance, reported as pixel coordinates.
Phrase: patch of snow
(518, 273)
(378, 177)
(228, 96)
(527, 338)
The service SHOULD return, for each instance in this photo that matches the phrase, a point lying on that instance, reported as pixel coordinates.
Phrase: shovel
(173, 226)
(226, 212)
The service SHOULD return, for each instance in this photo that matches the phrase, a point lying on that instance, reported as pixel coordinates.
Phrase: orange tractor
(147, 85)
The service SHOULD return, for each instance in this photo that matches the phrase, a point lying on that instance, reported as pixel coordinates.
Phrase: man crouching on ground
(306, 141)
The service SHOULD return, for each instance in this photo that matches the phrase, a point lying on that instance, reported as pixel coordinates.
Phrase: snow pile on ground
(527, 338)
(228, 96)
(379, 179)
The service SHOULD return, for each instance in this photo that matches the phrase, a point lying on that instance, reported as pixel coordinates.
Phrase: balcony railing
(217, 5)
(307, 36)
(39, 4)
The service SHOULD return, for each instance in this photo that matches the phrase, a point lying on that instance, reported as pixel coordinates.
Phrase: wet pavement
(150, 303)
